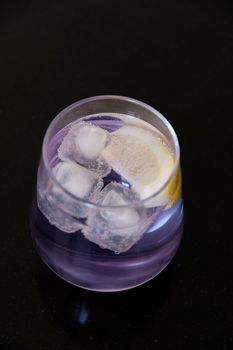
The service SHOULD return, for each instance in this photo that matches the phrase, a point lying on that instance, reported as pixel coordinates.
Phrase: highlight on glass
(108, 212)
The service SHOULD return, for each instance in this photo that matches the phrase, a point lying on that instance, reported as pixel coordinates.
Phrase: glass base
(85, 265)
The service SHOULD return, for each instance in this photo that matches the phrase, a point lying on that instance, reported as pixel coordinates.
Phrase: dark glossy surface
(174, 55)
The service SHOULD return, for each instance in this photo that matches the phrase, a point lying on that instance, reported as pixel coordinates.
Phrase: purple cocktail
(108, 212)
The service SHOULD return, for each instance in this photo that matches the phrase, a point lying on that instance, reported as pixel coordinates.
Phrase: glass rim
(136, 203)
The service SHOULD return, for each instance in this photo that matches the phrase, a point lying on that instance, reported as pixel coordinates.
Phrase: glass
(99, 246)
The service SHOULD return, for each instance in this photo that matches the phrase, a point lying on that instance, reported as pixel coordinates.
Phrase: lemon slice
(174, 188)
(139, 155)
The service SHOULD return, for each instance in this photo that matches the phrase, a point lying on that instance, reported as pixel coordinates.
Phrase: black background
(177, 56)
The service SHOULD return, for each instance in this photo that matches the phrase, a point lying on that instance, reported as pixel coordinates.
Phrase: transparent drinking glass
(99, 246)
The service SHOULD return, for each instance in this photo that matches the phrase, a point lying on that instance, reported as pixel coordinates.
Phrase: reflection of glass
(110, 211)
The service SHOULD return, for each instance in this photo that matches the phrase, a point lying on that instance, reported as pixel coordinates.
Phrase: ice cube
(90, 140)
(119, 217)
(63, 221)
(119, 228)
(61, 209)
(76, 179)
(84, 143)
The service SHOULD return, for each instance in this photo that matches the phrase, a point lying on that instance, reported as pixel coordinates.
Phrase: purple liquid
(85, 264)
